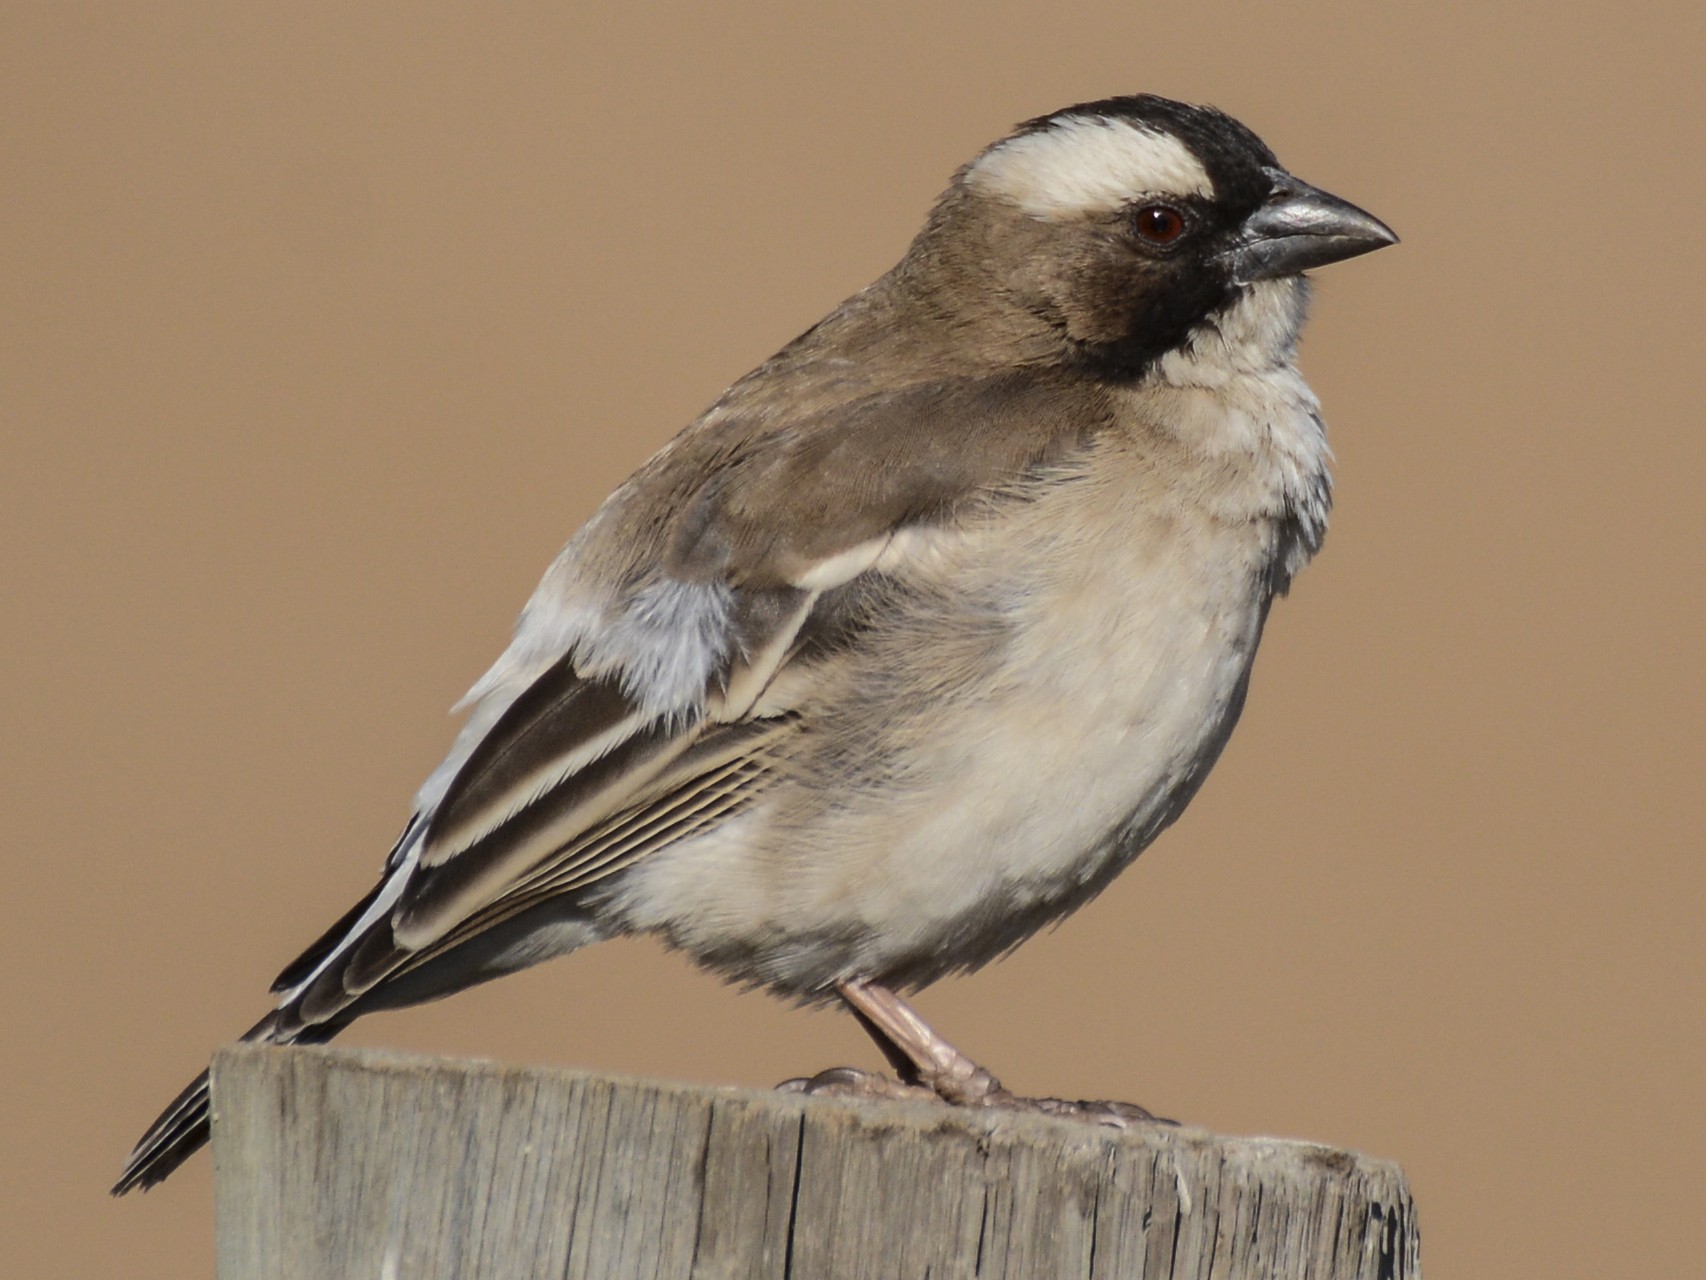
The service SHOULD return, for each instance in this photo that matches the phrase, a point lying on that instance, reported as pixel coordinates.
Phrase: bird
(915, 638)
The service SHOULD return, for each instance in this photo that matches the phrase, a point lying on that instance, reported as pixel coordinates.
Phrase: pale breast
(1041, 693)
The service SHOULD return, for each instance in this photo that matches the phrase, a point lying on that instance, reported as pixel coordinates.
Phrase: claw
(850, 1082)
(1112, 1115)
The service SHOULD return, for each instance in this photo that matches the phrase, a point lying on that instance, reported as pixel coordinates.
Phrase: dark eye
(1159, 224)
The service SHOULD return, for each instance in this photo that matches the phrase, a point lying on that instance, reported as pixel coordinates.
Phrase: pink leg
(930, 1067)
(935, 1063)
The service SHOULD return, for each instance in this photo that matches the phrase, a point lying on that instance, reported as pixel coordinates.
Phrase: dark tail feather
(182, 1128)
(177, 1135)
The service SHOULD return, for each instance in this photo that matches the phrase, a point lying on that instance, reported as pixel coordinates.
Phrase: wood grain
(358, 1164)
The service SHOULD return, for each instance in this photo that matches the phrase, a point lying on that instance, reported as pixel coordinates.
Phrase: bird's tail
(182, 1128)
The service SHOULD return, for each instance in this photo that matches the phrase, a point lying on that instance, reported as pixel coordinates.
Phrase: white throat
(1232, 391)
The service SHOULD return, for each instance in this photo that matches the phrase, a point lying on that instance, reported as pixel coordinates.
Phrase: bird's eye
(1159, 224)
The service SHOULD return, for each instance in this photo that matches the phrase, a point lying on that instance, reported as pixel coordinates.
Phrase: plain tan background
(324, 327)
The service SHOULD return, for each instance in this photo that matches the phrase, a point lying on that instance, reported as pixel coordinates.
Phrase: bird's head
(1126, 225)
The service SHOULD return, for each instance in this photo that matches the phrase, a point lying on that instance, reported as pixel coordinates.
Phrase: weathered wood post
(334, 1165)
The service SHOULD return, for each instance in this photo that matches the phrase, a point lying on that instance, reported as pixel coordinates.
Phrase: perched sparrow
(917, 636)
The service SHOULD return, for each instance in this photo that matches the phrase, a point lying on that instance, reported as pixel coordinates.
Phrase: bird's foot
(850, 1082)
(930, 1067)
(985, 1092)
(1113, 1115)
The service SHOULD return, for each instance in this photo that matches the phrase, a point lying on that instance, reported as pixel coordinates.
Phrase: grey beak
(1301, 227)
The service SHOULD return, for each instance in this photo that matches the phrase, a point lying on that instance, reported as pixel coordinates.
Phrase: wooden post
(338, 1164)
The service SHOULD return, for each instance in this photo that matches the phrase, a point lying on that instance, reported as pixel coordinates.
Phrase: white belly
(1042, 709)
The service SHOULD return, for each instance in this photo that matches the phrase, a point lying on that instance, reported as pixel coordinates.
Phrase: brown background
(323, 329)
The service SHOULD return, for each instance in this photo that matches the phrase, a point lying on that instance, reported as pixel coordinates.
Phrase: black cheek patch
(1160, 308)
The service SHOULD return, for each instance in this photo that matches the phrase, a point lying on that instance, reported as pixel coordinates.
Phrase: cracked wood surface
(358, 1164)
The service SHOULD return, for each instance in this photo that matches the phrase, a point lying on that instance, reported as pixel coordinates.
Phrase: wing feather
(695, 805)
(661, 780)
(726, 780)
(560, 724)
(671, 617)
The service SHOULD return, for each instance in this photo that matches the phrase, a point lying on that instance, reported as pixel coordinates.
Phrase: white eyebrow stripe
(1087, 164)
